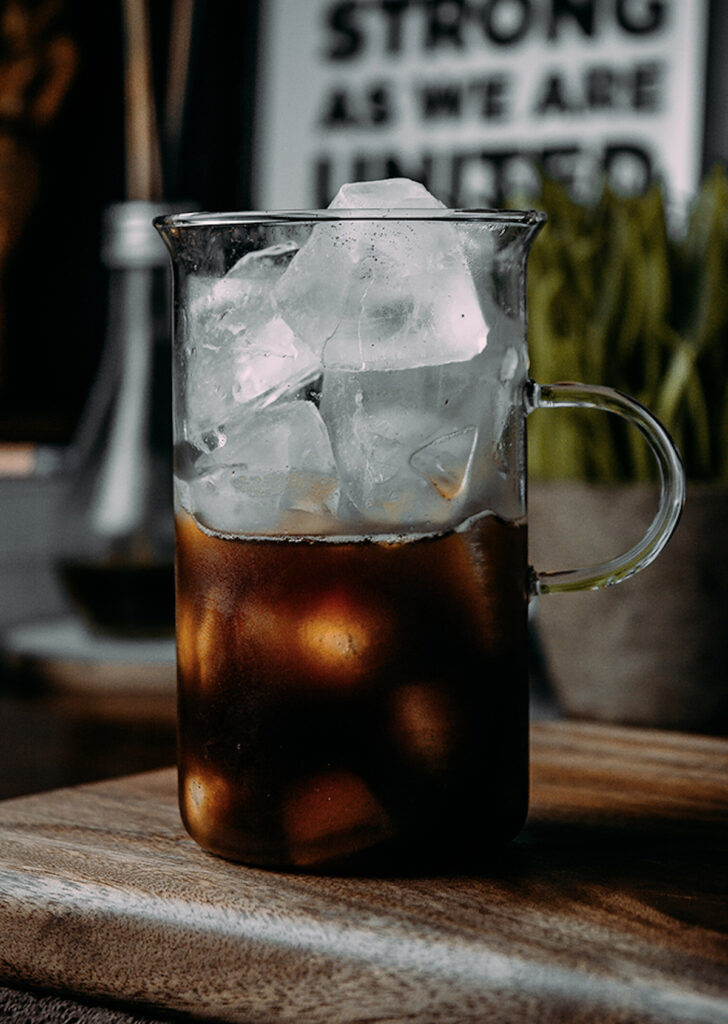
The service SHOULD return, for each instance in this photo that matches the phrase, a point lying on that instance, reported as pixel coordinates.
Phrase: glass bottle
(116, 537)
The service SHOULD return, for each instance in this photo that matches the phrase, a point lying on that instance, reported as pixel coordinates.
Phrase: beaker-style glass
(351, 391)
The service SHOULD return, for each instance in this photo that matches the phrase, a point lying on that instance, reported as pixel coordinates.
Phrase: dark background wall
(53, 289)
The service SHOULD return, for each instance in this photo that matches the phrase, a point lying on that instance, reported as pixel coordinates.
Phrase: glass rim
(515, 218)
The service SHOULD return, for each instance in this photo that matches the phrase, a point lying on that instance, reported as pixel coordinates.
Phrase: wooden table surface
(610, 907)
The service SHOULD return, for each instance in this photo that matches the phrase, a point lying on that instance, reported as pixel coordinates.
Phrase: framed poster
(469, 96)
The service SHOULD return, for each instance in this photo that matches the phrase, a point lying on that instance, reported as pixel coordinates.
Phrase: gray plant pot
(652, 651)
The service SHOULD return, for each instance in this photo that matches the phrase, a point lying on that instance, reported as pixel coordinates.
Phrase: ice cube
(331, 814)
(403, 441)
(386, 193)
(421, 314)
(260, 263)
(239, 350)
(248, 279)
(446, 460)
(371, 294)
(275, 472)
(271, 362)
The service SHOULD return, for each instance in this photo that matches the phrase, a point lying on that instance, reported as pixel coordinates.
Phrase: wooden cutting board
(610, 907)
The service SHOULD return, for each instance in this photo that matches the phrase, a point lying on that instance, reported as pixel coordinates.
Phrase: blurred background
(612, 115)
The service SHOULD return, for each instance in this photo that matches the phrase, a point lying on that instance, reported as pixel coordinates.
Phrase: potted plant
(621, 293)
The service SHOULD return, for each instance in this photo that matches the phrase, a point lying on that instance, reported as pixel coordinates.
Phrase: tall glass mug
(351, 389)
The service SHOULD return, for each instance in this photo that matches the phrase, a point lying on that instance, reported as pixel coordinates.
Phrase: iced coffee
(351, 551)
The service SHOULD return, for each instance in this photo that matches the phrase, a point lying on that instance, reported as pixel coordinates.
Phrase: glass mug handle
(672, 485)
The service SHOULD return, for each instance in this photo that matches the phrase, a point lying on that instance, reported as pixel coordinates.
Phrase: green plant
(618, 297)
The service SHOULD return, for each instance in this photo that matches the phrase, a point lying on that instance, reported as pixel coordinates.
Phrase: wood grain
(610, 907)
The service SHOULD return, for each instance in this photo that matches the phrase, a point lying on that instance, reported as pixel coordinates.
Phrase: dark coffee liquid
(341, 698)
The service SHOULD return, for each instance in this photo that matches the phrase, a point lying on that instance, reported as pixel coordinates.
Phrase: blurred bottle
(116, 540)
